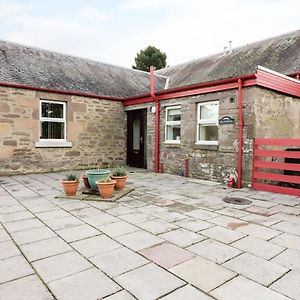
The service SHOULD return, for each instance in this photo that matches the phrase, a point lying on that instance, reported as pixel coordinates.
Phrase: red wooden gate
(286, 172)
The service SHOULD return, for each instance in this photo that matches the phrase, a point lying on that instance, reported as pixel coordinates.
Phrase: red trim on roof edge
(21, 86)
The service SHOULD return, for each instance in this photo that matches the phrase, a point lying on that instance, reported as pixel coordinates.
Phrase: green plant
(71, 177)
(105, 180)
(119, 171)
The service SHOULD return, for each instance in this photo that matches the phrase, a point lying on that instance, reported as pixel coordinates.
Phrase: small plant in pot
(106, 187)
(70, 184)
(120, 175)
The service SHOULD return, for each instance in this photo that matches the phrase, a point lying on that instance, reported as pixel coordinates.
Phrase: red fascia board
(21, 86)
(278, 83)
(196, 89)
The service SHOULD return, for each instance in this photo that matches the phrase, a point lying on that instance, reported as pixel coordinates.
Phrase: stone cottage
(197, 119)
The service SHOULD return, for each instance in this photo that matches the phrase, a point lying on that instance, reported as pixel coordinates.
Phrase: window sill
(172, 145)
(50, 144)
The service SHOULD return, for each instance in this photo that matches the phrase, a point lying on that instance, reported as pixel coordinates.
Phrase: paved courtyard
(172, 238)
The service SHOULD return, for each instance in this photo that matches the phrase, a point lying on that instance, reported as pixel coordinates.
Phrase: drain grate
(238, 201)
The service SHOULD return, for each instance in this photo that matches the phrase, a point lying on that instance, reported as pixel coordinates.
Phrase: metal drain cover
(237, 201)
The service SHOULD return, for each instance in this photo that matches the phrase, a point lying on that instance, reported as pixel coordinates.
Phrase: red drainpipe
(240, 148)
(187, 167)
(157, 113)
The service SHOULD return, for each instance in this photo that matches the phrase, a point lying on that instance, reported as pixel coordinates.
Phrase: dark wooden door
(136, 138)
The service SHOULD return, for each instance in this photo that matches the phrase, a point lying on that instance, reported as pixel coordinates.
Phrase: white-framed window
(207, 123)
(173, 124)
(53, 124)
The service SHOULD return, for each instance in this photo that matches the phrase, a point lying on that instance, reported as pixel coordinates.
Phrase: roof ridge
(221, 54)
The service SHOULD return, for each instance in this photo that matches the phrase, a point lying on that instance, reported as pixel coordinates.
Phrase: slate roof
(281, 54)
(35, 67)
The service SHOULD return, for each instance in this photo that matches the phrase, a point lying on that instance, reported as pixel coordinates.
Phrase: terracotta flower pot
(86, 182)
(70, 187)
(106, 189)
(121, 180)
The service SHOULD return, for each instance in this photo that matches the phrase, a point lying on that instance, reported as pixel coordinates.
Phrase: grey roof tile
(36, 67)
(281, 54)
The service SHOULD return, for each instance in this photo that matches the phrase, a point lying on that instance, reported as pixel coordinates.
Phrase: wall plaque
(226, 120)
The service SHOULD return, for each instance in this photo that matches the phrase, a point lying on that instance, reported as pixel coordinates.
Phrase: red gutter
(240, 147)
(28, 87)
(195, 89)
(157, 113)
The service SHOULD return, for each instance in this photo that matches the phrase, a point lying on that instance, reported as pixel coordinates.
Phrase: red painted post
(187, 167)
(157, 113)
(240, 147)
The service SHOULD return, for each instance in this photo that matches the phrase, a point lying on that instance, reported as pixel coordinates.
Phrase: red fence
(266, 159)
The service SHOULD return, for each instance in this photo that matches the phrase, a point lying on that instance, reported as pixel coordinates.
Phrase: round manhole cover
(238, 201)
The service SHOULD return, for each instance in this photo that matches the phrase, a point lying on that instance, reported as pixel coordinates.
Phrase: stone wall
(208, 162)
(96, 128)
(276, 115)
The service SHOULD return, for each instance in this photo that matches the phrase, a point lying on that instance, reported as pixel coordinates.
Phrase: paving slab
(64, 222)
(95, 245)
(229, 222)
(149, 282)
(91, 284)
(290, 227)
(77, 233)
(167, 255)
(182, 237)
(215, 251)
(100, 219)
(139, 240)
(32, 235)
(13, 268)
(241, 288)
(187, 292)
(117, 228)
(45, 248)
(202, 214)
(16, 216)
(258, 247)
(289, 258)
(203, 273)
(60, 266)
(259, 231)
(29, 288)
(8, 249)
(288, 285)
(222, 234)
(53, 214)
(123, 295)
(4, 236)
(232, 212)
(118, 261)
(256, 268)
(287, 240)
(23, 225)
(193, 224)
(136, 218)
(157, 226)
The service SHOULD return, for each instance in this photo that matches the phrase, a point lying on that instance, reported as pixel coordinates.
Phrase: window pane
(208, 133)
(173, 133)
(174, 114)
(52, 110)
(209, 111)
(52, 130)
(136, 134)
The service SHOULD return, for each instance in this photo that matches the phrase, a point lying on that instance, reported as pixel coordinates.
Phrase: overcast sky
(113, 31)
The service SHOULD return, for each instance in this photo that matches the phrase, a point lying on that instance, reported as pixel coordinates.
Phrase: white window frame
(168, 123)
(53, 142)
(206, 122)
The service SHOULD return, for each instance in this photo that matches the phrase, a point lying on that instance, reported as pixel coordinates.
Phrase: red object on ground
(231, 182)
